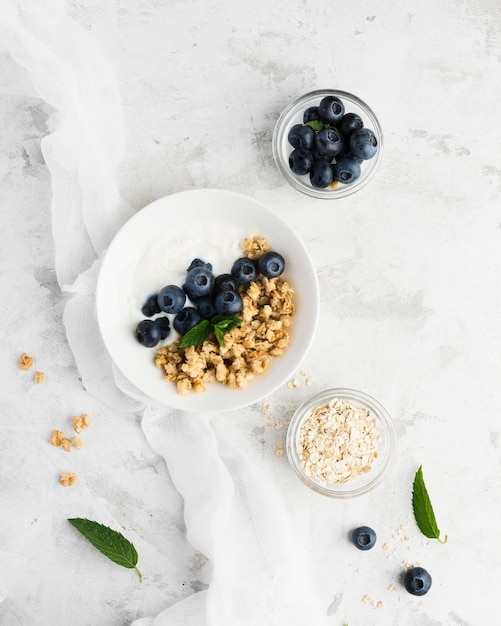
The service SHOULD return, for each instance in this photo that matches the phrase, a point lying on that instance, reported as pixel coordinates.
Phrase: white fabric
(233, 514)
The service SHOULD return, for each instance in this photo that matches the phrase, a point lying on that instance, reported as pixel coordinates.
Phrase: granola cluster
(247, 350)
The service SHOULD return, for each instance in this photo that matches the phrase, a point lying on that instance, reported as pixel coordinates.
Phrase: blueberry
(271, 264)
(328, 142)
(321, 174)
(199, 282)
(147, 333)
(417, 581)
(163, 324)
(150, 307)
(331, 109)
(300, 161)
(244, 271)
(311, 114)
(363, 537)
(346, 170)
(228, 303)
(224, 282)
(350, 123)
(301, 136)
(186, 319)
(205, 307)
(198, 263)
(171, 299)
(363, 143)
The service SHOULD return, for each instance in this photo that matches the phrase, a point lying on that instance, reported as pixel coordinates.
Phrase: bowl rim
(282, 124)
(385, 422)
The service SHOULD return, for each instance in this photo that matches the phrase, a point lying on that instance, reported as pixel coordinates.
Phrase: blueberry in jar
(363, 537)
(331, 109)
(163, 324)
(363, 143)
(300, 161)
(346, 170)
(171, 299)
(186, 319)
(271, 264)
(417, 581)
(311, 114)
(150, 307)
(228, 302)
(244, 270)
(328, 142)
(301, 136)
(224, 282)
(148, 333)
(199, 282)
(321, 174)
(349, 123)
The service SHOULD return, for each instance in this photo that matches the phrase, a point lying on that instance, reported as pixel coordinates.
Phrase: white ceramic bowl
(293, 114)
(215, 222)
(386, 451)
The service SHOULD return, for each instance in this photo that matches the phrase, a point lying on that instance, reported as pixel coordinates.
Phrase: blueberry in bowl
(344, 127)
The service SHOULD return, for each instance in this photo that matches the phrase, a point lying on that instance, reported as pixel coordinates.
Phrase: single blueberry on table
(244, 270)
(205, 307)
(328, 142)
(224, 282)
(199, 282)
(171, 299)
(148, 333)
(163, 324)
(198, 263)
(228, 303)
(363, 143)
(150, 307)
(311, 114)
(271, 264)
(346, 170)
(417, 581)
(186, 319)
(300, 161)
(363, 537)
(321, 174)
(331, 109)
(300, 136)
(350, 123)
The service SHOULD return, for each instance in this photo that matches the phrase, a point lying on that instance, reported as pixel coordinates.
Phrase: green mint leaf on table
(423, 510)
(196, 335)
(109, 542)
(219, 324)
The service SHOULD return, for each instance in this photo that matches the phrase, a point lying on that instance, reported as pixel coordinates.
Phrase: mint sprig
(219, 325)
(317, 125)
(423, 509)
(109, 542)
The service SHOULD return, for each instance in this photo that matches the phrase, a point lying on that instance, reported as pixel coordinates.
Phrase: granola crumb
(65, 444)
(77, 443)
(57, 436)
(309, 381)
(39, 377)
(367, 599)
(79, 423)
(392, 588)
(67, 479)
(386, 547)
(25, 361)
(380, 604)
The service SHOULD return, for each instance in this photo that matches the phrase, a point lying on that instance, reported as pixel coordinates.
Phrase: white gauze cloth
(233, 514)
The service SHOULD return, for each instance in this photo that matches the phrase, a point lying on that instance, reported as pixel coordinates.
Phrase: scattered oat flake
(279, 424)
(67, 479)
(79, 423)
(367, 599)
(39, 377)
(380, 604)
(280, 444)
(392, 588)
(309, 381)
(386, 547)
(279, 452)
(25, 361)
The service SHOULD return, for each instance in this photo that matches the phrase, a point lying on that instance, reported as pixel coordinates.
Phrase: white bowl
(216, 222)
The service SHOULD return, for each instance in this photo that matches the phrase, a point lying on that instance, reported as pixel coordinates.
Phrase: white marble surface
(409, 270)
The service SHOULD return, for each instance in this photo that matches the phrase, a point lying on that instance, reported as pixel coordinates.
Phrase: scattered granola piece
(380, 604)
(367, 599)
(265, 409)
(57, 436)
(79, 423)
(279, 452)
(392, 588)
(39, 377)
(386, 547)
(77, 443)
(65, 444)
(279, 424)
(309, 381)
(25, 361)
(67, 479)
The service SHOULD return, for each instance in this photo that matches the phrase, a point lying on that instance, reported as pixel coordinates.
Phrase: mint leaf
(423, 510)
(318, 125)
(196, 335)
(109, 542)
(226, 323)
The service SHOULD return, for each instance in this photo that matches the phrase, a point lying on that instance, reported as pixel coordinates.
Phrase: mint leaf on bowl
(219, 325)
